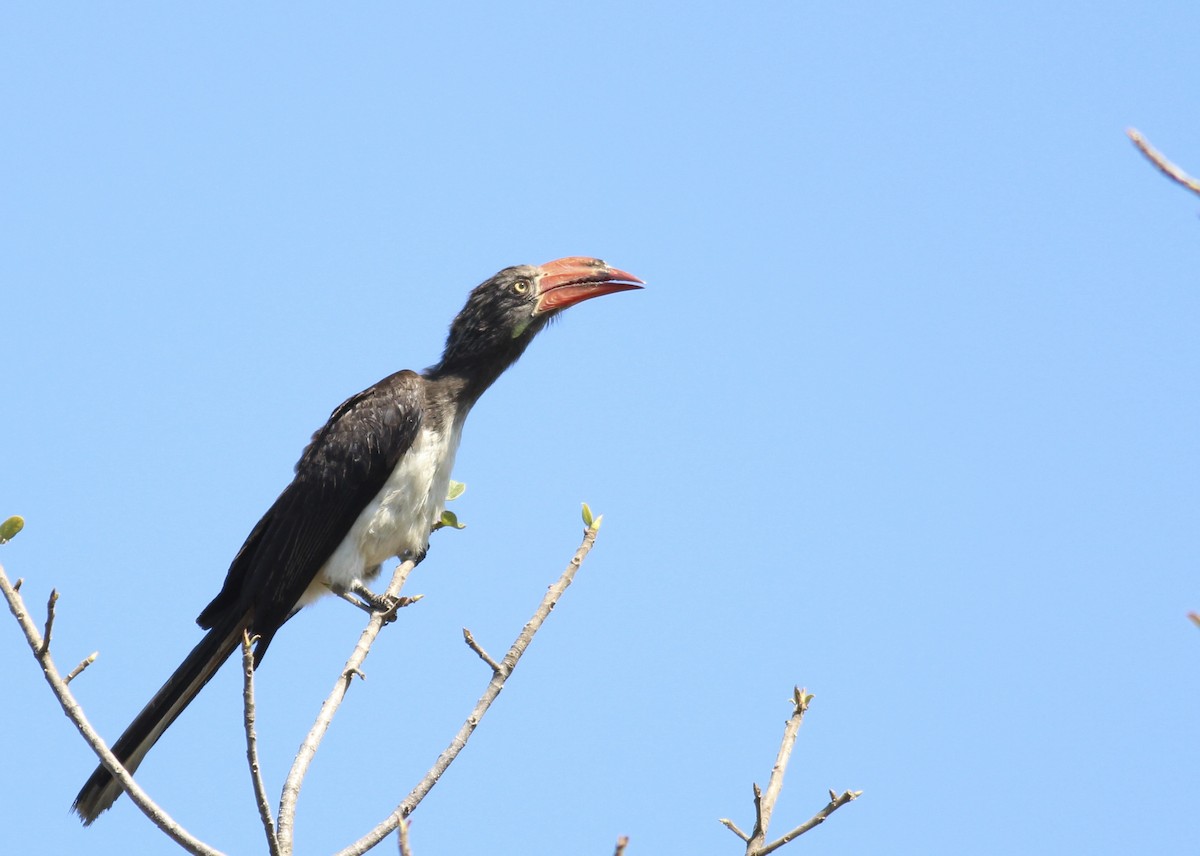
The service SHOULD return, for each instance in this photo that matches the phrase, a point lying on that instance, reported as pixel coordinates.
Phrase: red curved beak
(565, 282)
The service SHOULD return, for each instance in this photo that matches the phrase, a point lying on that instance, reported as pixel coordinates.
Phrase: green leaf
(450, 520)
(587, 516)
(455, 490)
(11, 527)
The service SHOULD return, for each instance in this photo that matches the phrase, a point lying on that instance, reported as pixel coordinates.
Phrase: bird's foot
(375, 604)
(352, 599)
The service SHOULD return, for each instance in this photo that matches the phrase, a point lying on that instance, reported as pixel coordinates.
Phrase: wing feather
(342, 469)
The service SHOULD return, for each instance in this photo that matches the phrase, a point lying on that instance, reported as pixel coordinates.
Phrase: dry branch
(260, 788)
(836, 801)
(764, 802)
(291, 787)
(500, 673)
(280, 832)
(41, 652)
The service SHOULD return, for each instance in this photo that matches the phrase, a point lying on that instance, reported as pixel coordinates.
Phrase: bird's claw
(385, 605)
(373, 603)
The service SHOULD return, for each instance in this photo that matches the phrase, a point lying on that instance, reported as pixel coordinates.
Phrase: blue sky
(906, 413)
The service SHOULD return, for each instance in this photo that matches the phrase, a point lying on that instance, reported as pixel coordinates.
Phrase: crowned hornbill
(370, 486)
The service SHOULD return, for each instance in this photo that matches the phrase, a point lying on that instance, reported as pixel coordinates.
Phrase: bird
(369, 487)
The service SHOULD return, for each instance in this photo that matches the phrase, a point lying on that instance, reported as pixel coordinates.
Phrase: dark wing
(341, 471)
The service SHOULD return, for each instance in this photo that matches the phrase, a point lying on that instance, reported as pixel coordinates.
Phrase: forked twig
(280, 834)
(291, 787)
(499, 676)
(836, 801)
(764, 802)
(41, 652)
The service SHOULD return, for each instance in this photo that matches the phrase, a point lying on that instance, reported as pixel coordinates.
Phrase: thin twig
(78, 670)
(816, 820)
(759, 833)
(75, 713)
(1156, 157)
(260, 788)
(478, 649)
(402, 835)
(765, 806)
(51, 601)
(507, 665)
(291, 787)
(733, 827)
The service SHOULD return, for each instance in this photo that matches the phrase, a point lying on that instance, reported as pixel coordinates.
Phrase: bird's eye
(521, 286)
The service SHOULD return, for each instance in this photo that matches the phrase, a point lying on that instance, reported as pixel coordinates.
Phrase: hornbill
(370, 486)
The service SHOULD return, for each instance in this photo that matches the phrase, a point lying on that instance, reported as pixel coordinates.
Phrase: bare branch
(800, 700)
(483, 655)
(506, 667)
(291, 787)
(260, 788)
(75, 713)
(817, 819)
(78, 670)
(1167, 168)
(764, 803)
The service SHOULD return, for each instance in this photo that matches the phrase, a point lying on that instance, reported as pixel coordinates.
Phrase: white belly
(399, 518)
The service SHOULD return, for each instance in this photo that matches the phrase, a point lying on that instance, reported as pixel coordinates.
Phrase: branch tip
(51, 601)
(478, 649)
(733, 827)
(78, 670)
(1165, 166)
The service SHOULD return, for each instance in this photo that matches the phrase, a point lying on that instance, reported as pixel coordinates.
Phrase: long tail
(102, 790)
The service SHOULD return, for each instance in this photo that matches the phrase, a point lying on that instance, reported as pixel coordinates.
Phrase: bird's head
(505, 312)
